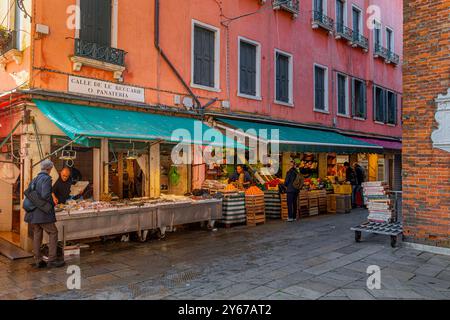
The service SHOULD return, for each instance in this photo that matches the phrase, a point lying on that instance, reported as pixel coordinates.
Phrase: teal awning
(297, 139)
(94, 122)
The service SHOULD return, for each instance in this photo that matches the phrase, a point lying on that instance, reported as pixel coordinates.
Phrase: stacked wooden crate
(322, 199)
(331, 203)
(284, 207)
(272, 204)
(303, 203)
(343, 203)
(255, 209)
(233, 208)
(313, 200)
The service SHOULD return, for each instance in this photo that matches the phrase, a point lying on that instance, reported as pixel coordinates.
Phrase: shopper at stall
(351, 177)
(293, 183)
(360, 179)
(40, 215)
(241, 176)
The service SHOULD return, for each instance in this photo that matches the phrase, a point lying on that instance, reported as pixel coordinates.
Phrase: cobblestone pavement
(316, 258)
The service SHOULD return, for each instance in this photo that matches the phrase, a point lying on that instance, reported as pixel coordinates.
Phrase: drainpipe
(164, 56)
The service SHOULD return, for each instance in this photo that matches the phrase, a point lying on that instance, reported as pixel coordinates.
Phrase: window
(340, 15)
(96, 21)
(390, 39)
(320, 88)
(205, 57)
(377, 34)
(359, 100)
(342, 94)
(283, 77)
(356, 17)
(319, 6)
(391, 108)
(249, 68)
(379, 104)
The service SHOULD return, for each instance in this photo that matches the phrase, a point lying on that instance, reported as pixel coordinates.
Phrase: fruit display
(314, 184)
(230, 188)
(254, 191)
(274, 183)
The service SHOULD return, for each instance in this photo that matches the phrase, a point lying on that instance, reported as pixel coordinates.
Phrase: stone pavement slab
(314, 258)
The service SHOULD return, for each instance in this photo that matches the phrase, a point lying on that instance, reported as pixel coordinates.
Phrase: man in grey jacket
(40, 220)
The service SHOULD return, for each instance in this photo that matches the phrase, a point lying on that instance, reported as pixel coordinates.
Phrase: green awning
(297, 139)
(85, 123)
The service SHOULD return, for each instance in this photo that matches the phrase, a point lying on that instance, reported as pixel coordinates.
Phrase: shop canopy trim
(303, 140)
(394, 145)
(95, 122)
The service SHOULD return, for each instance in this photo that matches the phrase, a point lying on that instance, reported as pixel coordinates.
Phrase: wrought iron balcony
(386, 54)
(292, 6)
(394, 58)
(100, 53)
(360, 41)
(319, 19)
(8, 41)
(342, 31)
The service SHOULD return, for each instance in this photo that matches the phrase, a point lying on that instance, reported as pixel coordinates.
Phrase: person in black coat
(40, 220)
(291, 191)
(351, 177)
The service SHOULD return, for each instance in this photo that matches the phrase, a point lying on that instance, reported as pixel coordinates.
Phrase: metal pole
(10, 134)
(56, 151)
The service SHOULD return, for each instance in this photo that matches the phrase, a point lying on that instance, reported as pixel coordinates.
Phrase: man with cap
(41, 216)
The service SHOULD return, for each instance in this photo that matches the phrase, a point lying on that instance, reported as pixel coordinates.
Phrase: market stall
(128, 181)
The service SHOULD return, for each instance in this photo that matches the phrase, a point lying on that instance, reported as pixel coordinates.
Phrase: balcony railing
(319, 19)
(292, 6)
(100, 53)
(8, 41)
(342, 31)
(360, 41)
(386, 54)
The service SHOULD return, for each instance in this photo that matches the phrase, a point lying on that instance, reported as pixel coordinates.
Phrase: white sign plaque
(106, 89)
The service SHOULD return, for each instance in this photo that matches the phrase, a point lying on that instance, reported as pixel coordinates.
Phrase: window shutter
(204, 56)
(96, 21)
(282, 78)
(385, 106)
(395, 109)
(247, 68)
(353, 98)
(364, 100)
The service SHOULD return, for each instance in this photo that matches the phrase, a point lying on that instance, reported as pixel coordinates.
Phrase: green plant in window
(174, 176)
(5, 37)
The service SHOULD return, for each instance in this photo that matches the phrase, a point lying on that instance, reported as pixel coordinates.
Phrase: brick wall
(426, 186)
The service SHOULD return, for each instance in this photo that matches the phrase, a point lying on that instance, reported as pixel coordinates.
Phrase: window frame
(114, 22)
(345, 13)
(383, 105)
(360, 20)
(395, 108)
(324, 5)
(392, 44)
(257, 95)
(290, 103)
(353, 97)
(216, 31)
(378, 22)
(347, 90)
(326, 92)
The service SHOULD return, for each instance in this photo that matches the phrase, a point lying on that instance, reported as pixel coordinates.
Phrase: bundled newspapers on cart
(379, 202)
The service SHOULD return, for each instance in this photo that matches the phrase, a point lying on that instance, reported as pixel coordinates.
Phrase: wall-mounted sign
(105, 89)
